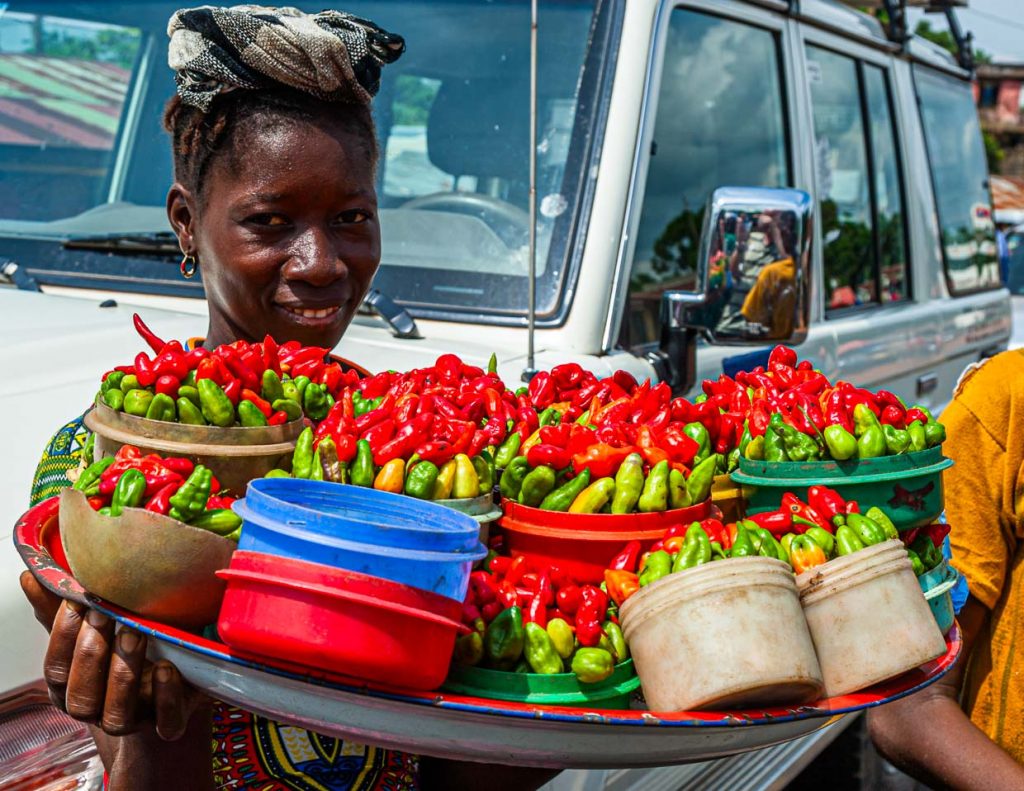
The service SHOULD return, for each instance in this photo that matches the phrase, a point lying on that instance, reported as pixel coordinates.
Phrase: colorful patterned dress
(251, 752)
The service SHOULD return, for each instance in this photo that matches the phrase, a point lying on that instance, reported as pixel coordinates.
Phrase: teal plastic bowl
(936, 576)
(940, 600)
(908, 487)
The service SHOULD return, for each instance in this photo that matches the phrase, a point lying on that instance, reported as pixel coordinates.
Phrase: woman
(967, 729)
(274, 161)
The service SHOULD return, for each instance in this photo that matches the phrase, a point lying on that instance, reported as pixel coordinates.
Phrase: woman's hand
(103, 678)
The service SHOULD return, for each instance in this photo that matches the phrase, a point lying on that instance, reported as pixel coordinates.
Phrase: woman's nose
(315, 258)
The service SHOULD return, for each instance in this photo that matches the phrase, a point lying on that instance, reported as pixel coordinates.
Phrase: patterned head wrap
(332, 55)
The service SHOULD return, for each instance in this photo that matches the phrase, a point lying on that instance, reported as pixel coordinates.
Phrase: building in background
(1000, 95)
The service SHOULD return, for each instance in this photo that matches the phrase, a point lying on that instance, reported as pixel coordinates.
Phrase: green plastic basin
(908, 488)
(557, 689)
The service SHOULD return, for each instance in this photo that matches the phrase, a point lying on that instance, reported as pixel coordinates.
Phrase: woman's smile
(311, 317)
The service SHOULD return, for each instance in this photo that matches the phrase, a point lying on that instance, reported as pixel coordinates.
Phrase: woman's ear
(182, 216)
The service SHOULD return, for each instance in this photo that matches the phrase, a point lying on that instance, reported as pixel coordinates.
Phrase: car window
(718, 74)
(857, 172)
(63, 86)
(956, 157)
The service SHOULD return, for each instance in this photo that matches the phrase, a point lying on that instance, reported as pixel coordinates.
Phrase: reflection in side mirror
(754, 266)
(753, 278)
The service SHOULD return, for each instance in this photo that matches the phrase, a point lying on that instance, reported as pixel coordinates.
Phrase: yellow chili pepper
(445, 481)
(391, 477)
(532, 440)
(594, 497)
(467, 482)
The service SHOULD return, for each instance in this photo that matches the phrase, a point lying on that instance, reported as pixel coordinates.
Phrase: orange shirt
(984, 496)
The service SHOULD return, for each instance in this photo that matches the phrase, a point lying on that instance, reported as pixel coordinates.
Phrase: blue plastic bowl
(399, 538)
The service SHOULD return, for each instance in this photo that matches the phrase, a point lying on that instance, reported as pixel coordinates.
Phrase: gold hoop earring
(189, 265)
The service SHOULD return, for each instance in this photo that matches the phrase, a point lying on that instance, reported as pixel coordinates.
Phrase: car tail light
(43, 749)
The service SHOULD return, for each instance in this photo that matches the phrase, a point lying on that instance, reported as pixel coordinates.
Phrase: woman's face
(285, 232)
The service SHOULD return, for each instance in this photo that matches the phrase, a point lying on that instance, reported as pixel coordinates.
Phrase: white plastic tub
(725, 635)
(868, 617)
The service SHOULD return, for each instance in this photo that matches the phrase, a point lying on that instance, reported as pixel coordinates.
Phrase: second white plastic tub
(726, 635)
(868, 617)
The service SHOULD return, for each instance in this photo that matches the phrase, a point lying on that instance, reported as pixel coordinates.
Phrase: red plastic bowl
(328, 618)
(583, 544)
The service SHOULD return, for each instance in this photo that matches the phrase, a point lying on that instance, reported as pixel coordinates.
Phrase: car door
(882, 318)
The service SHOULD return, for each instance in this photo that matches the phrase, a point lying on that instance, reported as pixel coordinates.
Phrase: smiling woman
(274, 199)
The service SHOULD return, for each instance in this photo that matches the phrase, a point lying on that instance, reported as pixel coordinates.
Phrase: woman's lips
(312, 315)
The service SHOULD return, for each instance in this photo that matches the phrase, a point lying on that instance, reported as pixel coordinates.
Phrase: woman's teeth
(322, 313)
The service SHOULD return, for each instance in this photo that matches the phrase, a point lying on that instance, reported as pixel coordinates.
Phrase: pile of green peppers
(511, 644)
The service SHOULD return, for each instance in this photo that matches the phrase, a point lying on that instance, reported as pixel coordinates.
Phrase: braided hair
(200, 138)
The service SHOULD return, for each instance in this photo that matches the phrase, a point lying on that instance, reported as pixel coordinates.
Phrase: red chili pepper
(470, 612)
(886, 398)
(837, 413)
(217, 501)
(716, 532)
(626, 560)
(913, 414)
(180, 465)
(168, 386)
(155, 481)
(856, 395)
(560, 578)
(477, 443)
(150, 337)
(279, 418)
(828, 504)
(568, 598)
(96, 502)
(621, 585)
(379, 434)
(237, 368)
(144, 369)
(482, 587)
(507, 594)
(601, 459)
(804, 515)
(778, 523)
(548, 455)
(490, 611)
(516, 570)
(160, 502)
(894, 416)
(438, 452)
(782, 355)
(261, 404)
(542, 390)
(541, 599)
(271, 360)
(500, 565)
(233, 390)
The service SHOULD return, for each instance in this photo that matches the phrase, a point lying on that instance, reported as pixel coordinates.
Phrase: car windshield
(82, 152)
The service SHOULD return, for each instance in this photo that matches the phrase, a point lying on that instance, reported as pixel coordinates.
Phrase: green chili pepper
(678, 497)
(657, 565)
(871, 444)
(512, 478)
(654, 496)
(798, 446)
(841, 444)
(190, 500)
(189, 413)
(786, 541)
(190, 379)
(301, 383)
(823, 539)
(847, 541)
(89, 480)
(562, 637)
(484, 473)
(929, 554)
(867, 530)
(278, 473)
(469, 649)
(128, 383)
(105, 511)
(505, 636)
(550, 417)
(767, 545)
(934, 433)
(130, 489)
(620, 649)
(915, 562)
(249, 414)
(314, 401)
(773, 448)
(492, 364)
(362, 471)
(698, 433)
(562, 497)
(702, 477)
(540, 652)
(302, 458)
(742, 546)
(189, 392)
(881, 518)
(137, 401)
(420, 480)
(696, 549)
(629, 484)
(332, 468)
(592, 665)
(537, 484)
(114, 399)
(316, 467)
(222, 521)
(508, 450)
(755, 450)
(291, 392)
(216, 406)
(732, 461)
(918, 436)
(289, 407)
(89, 451)
(112, 381)
(271, 389)
(897, 441)
(162, 408)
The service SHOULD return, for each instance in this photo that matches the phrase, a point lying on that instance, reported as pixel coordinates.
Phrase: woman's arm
(929, 736)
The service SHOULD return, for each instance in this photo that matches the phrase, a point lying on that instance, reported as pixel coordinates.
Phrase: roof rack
(898, 32)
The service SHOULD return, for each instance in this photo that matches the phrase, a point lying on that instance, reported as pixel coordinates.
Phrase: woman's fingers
(60, 652)
(121, 703)
(44, 604)
(87, 679)
(169, 700)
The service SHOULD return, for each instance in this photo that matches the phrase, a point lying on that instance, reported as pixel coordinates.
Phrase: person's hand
(103, 678)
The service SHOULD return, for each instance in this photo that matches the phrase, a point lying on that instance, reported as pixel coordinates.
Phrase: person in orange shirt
(967, 730)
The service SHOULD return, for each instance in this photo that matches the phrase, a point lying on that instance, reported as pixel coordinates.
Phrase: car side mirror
(753, 278)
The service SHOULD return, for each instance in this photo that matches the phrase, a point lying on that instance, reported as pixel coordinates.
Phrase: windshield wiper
(401, 322)
(152, 242)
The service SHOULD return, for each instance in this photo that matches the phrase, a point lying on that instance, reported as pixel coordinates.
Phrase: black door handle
(927, 384)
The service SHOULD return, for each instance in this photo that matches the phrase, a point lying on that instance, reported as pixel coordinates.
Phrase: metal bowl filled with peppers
(149, 533)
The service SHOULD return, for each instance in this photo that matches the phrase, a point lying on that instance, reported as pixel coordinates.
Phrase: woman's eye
(353, 216)
(269, 220)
